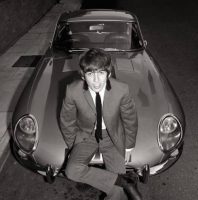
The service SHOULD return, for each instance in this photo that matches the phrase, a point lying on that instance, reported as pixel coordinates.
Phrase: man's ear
(82, 75)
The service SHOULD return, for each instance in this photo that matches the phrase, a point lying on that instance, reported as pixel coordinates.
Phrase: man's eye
(102, 72)
(89, 73)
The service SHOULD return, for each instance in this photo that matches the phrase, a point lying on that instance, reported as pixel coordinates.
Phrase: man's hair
(95, 59)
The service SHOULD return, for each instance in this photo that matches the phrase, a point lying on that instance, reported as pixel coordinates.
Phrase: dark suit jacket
(78, 115)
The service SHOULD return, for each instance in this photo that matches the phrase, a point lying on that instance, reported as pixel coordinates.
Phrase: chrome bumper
(174, 156)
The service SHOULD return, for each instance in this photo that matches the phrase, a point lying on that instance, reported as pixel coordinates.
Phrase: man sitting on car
(98, 114)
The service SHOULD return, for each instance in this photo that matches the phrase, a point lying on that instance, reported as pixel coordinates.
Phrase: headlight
(169, 132)
(26, 133)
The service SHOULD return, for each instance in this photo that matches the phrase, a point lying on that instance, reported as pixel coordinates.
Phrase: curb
(4, 149)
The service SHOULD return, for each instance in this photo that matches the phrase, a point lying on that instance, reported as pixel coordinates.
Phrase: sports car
(37, 140)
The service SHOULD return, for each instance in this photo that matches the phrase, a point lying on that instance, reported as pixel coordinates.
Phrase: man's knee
(75, 171)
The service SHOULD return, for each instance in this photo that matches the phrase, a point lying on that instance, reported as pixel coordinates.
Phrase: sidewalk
(13, 80)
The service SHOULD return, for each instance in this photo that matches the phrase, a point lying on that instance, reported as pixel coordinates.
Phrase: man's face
(96, 80)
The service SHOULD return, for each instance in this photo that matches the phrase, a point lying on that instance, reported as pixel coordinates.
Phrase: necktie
(98, 132)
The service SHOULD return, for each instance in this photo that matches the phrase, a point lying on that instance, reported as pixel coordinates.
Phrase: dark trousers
(103, 179)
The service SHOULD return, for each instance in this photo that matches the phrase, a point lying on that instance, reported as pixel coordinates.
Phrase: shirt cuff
(128, 150)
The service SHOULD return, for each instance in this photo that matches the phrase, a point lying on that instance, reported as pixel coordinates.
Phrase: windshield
(109, 35)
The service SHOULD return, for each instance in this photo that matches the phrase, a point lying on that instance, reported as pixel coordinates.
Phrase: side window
(136, 41)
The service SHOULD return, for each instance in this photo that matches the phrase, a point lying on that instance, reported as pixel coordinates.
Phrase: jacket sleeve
(68, 119)
(129, 119)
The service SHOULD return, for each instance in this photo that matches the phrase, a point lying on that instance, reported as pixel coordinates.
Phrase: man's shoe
(132, 192)
(144, 174)
(129, 184)
(132, 176)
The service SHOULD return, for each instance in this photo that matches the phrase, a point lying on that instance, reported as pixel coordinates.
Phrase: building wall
(17, 16)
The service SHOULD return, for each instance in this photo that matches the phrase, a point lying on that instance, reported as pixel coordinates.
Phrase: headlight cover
(26, 133)
(169, 132)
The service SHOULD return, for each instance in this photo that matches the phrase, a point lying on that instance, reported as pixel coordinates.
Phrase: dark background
(17, 16)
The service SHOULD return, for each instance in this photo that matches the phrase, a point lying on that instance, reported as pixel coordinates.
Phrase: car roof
(98, 15)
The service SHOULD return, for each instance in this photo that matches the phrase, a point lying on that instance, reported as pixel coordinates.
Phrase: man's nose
(96, 78)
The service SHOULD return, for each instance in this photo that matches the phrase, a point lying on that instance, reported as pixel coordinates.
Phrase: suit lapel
(107, 104)
(89, 99)
(106, 100)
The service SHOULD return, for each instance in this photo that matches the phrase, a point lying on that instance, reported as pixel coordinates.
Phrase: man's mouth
(96, 87)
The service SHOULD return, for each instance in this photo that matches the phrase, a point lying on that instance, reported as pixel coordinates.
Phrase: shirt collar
(101, 92)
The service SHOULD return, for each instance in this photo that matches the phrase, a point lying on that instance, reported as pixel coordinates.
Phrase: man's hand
(128, 155)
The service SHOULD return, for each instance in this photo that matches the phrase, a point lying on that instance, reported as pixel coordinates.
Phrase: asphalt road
(172, 33)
